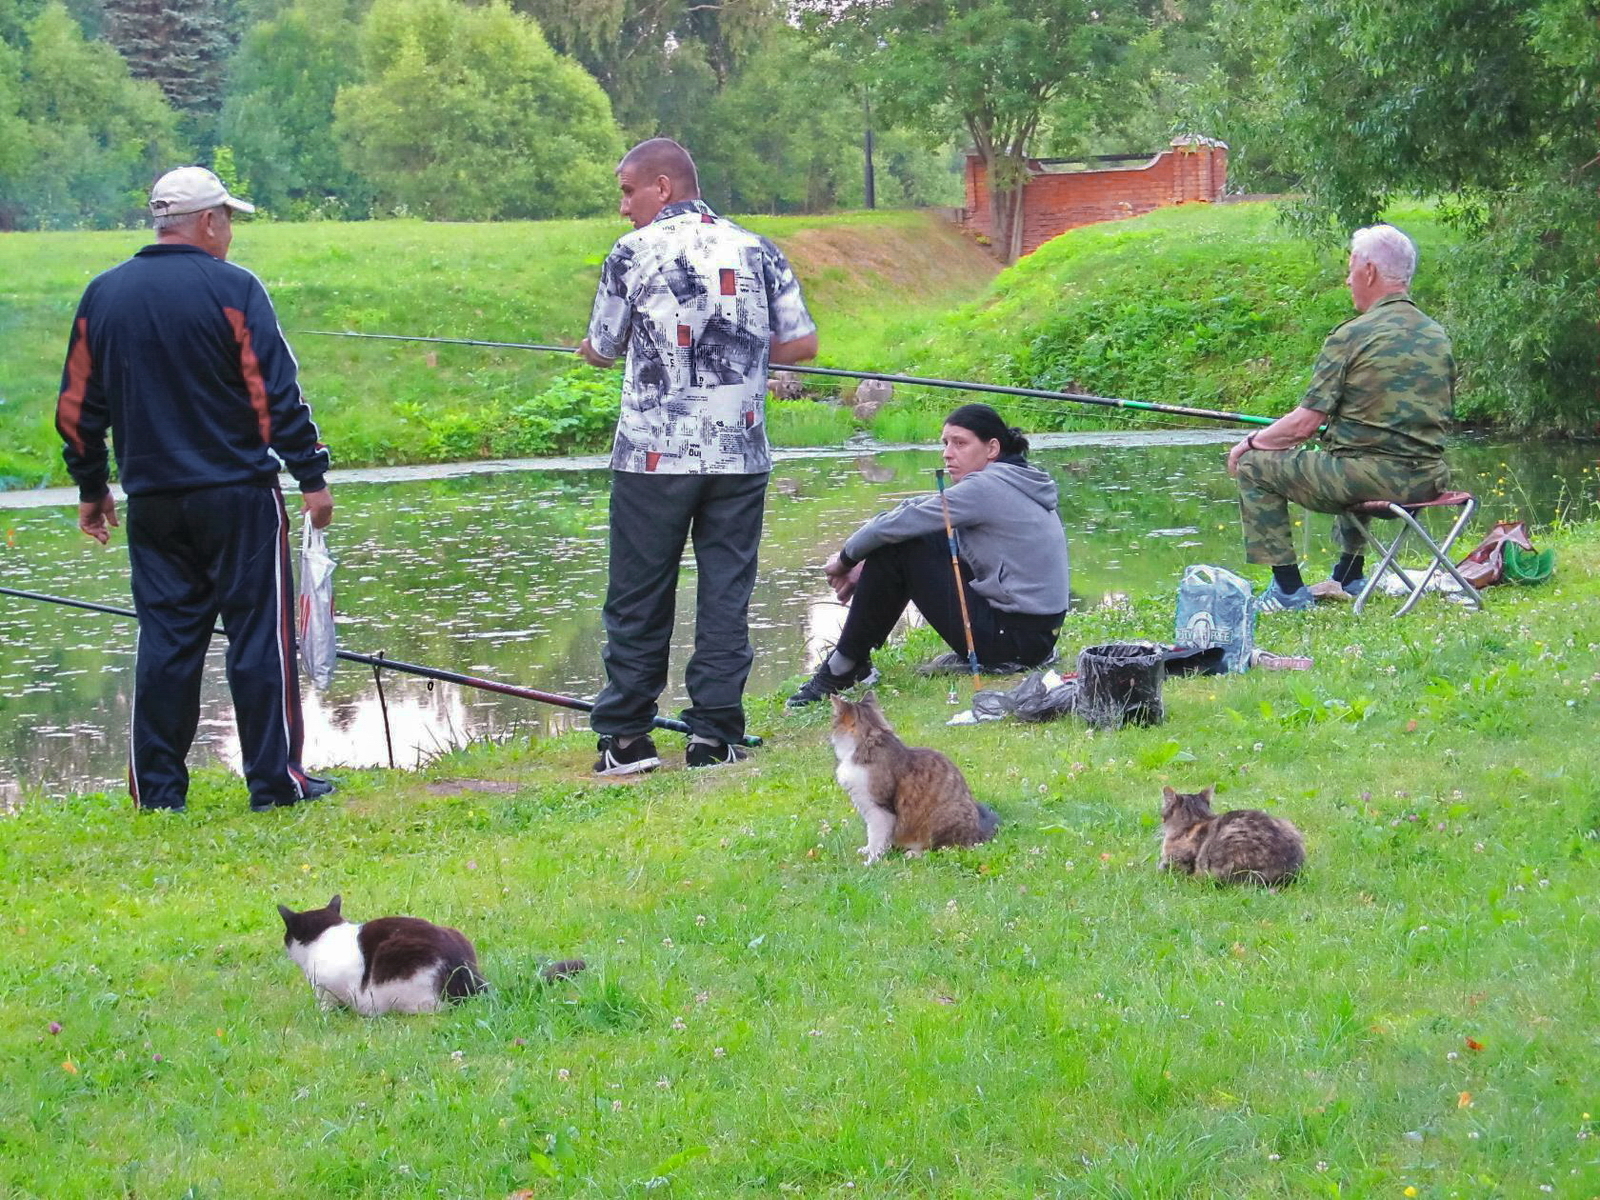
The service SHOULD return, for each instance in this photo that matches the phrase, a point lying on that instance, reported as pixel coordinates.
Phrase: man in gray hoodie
(1013, 557)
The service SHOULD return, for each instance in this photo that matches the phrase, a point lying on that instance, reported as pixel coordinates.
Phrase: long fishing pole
(395, 664)
(961, 590)
(1176, 410)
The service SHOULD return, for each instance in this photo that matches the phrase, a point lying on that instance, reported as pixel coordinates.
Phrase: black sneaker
(638, 755)
(825, 683)
(313, 788)
(714, 754)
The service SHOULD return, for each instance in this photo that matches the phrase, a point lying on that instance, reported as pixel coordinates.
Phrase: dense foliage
(467, 114)
(1491, 105)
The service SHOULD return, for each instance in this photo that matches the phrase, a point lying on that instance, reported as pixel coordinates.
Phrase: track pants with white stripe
(194, 557)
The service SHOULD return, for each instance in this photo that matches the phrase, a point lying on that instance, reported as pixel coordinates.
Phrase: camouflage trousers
(1322, 482)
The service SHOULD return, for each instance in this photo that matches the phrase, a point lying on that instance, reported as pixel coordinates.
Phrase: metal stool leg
(1439, 550)
(1441, 557)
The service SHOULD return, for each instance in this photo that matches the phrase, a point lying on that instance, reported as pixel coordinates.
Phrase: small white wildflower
(719, 1052)
(700, 919)
(667, 942)
(563, 1073)
(663, 1083)
(616, 1106)
(677, 1024)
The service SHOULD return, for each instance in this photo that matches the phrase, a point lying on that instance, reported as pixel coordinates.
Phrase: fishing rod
(1176, 410)
(380, 662)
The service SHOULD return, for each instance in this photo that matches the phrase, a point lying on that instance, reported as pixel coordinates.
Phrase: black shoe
(825, 683)
(713, 754)
(314, 788)
(638, 755)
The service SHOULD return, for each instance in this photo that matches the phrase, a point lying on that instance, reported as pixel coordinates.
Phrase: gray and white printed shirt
(694, 301)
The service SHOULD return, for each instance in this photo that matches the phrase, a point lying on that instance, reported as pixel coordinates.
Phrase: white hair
(1385, 247)
(181, 222)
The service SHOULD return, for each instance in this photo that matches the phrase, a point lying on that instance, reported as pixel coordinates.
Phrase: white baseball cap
(191, 190)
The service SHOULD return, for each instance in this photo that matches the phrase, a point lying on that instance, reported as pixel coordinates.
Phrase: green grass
(1047, 1015)
(382, 403)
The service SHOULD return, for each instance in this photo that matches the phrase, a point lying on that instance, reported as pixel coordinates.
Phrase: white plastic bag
(318, 644)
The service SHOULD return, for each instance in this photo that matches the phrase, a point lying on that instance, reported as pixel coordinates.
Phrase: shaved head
(663, 156)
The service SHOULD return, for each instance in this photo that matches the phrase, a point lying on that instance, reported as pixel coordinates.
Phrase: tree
(467, 114)
(989, 67)
(183, 46)
(82, 140)
(1491, 106)
(658, 60)
(279, 113)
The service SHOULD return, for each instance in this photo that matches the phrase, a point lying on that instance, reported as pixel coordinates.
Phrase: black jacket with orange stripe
(179, 354)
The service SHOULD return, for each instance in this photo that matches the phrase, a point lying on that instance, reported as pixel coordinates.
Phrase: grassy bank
(1044, 1016)
(384, 403)
(1214, 306)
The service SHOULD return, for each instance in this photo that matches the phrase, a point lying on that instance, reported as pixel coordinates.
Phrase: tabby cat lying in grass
(1245, 845)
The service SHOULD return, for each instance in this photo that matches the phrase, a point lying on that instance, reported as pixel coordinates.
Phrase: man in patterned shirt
(1382, 392)
(700, 307)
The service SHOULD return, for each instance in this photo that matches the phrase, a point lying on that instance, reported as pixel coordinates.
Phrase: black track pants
(918, 572)
(197, 556)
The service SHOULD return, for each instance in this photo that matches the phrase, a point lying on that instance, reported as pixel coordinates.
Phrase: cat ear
(1209, 791)
(871, 698)
(333, 906)
(1168, 795)
(286, 913)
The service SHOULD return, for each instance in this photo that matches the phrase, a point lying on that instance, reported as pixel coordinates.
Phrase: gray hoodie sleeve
(970, 500)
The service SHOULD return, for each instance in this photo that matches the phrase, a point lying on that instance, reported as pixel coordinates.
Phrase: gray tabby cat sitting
(916, 799)
(1245, 845)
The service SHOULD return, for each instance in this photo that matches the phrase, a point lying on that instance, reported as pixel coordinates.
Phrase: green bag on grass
(1527, 566)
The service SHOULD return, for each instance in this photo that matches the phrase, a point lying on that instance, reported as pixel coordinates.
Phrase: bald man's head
(652, 175)
(663, 156)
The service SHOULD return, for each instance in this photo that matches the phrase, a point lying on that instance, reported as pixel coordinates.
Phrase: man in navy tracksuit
(179, 354)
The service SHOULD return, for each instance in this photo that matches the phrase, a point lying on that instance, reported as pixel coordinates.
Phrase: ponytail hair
(989, 426)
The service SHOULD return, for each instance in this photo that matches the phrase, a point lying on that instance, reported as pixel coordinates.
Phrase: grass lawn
(387, 402)
(1047, 1015)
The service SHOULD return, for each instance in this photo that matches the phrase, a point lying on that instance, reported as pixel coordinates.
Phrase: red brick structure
(1062, 194)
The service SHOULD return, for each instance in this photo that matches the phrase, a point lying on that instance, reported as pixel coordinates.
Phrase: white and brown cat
(392, 964)
(915, 799)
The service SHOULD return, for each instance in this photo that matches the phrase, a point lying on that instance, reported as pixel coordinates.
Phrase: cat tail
(988, 822)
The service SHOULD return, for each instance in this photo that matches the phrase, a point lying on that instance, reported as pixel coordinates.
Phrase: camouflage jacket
(1386, 381)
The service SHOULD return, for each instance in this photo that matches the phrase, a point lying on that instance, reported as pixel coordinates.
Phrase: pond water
(499, 571)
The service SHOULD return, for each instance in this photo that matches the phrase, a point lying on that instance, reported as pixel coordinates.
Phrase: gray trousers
(652, 517)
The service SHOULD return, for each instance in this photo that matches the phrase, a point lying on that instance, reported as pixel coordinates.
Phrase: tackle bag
(318, 644)
(1214, 609)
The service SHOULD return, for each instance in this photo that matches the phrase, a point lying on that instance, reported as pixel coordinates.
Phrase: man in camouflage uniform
(1382, 393)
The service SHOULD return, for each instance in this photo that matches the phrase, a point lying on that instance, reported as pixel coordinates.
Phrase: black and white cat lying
(392, 964)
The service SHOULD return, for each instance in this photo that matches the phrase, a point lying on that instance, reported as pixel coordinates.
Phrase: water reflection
(503, 574)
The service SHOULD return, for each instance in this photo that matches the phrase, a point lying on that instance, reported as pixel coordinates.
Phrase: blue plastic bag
(1214, 609)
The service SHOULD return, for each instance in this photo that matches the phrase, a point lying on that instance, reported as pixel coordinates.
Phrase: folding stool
(1406, 514)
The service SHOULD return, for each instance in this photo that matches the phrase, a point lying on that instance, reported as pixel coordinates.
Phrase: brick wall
(1193, 168)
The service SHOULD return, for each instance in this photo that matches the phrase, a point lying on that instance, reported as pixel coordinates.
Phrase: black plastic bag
(1034, 699)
